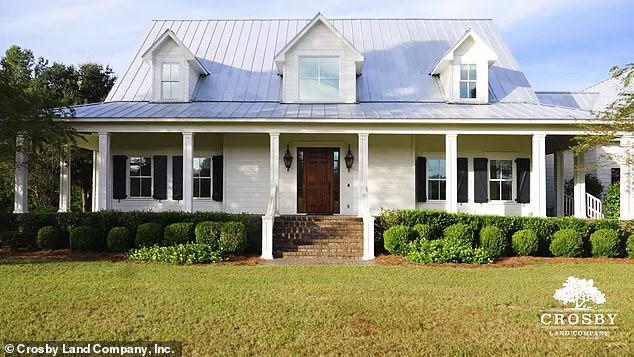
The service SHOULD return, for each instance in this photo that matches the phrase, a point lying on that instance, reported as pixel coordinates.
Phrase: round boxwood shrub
(119, 240)
(459, 234)
(208, 233)
(630, 246)
(567, 243)
(493, 241)
(423, 231)
(605, 243)
(50, 237)
(148, 234)
(396, 239)
(525, 242)
(85, 238)
(178, 233)
(233, 237)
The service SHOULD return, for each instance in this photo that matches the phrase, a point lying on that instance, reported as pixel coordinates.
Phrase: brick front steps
(318, 236)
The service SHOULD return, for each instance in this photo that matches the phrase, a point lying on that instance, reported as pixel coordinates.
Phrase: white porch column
(188, 166)
(538, 176)
(559, 182)
(451, 172)
(274, 179)
(95, 175)
(364, 205)
(274, 147)
(627, 186)
(21, 196)
(64, 181)
(104, 196)
(580, 188)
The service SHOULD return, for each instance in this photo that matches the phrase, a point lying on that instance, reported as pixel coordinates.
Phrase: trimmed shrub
(396, 239)
(178, 233)
(177, 254)
(51, 237)
(493, 241)
(233, 237)
(613, 201)
(208, 233)
(119, 240)
(443, 251)
(149, 234)
(525, 242)
(459, 234)
(10, 239)
(84, 238)
(567, 243)
(605, 243)
(630, 246)
(424, 231)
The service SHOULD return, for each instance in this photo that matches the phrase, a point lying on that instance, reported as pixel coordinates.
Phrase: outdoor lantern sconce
(349, 159)
(288, 159)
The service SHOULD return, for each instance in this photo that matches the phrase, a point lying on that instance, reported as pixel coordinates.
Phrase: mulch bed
(66, 255)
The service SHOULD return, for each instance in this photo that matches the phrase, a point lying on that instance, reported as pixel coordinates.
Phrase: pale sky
(560, 44)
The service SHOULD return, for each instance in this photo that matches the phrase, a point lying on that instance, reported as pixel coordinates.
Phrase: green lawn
(291, 310)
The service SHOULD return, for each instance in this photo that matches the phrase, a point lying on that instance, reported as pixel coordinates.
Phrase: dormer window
(468, 80)
(318, 79)
(170, 81)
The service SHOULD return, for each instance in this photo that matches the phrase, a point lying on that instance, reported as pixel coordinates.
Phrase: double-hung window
(140, 177)
(468, 79)
(436, 180)
(319, 79)
(170, 81)
(202, 177)
(501, 179)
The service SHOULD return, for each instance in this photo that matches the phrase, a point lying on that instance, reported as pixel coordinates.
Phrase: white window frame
(179, 81)
(427, 179)
(511, 180)
(319, 78)
(202, 157)
(468, 81)
(140, 177)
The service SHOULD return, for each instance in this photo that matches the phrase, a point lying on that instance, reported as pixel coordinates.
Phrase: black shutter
(523, 180)
(177, 177)
(216, 193)
(160, 177)
(481, 179)
(421, 179)
(463, 186)
(119, 174)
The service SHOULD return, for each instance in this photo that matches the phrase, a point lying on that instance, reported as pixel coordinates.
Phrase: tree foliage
(613, 121)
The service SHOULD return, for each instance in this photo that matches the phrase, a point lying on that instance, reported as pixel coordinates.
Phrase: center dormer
(319, 65)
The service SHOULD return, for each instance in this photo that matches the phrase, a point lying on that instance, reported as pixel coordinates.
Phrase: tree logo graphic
(580, 292)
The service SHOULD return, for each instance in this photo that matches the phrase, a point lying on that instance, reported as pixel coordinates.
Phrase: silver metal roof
(399, 53)
(270, 110)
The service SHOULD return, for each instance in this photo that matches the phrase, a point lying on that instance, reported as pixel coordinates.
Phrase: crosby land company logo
(584, 319)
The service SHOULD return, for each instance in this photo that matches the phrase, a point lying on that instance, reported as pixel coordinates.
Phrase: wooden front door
(318, 180)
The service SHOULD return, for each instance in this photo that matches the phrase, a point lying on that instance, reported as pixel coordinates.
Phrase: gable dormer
(319, 65)
(175, 69)
(464, 70)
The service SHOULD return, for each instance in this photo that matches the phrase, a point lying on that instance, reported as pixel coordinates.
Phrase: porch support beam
(580, 187)
(274, 156)
(364, 206)
(451, 162)
(21, 196)
(95, 175)
(104, 188)
(559, 182)
(274, 179)
(627, 186)
(64, 181)
(538, 176)
(188, 164)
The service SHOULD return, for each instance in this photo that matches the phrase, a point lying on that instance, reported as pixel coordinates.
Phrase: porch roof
(274, 110)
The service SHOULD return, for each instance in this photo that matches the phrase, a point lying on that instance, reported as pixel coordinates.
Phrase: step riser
(318, 236)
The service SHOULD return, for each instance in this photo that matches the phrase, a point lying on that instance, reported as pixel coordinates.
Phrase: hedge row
(503, 236)
(21, 230)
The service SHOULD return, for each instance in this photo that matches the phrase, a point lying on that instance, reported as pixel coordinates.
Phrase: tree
(617, 119)
(579, 292)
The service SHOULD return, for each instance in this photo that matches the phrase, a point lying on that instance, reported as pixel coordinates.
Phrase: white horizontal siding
(246, 172)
